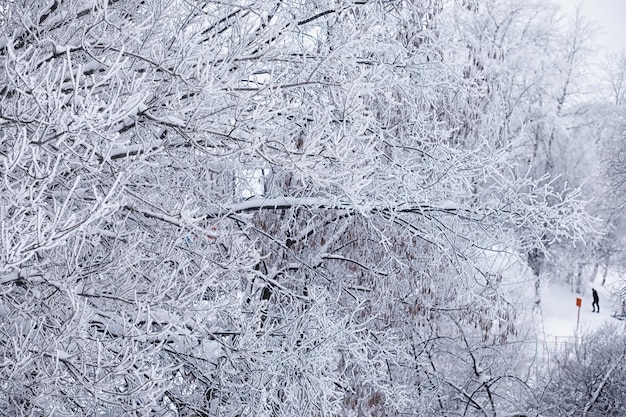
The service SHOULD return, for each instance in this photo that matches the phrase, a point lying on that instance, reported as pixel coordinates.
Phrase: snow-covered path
(560, 311)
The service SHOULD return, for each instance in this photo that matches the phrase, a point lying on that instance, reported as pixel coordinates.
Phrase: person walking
(596, 300)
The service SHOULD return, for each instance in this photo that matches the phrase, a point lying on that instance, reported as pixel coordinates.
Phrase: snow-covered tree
(527, 71)
(587, 378)
(229, 208)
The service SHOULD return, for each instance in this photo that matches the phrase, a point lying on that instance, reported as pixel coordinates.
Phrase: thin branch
(605, 380)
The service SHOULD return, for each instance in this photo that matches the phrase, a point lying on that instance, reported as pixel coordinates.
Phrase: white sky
(610, 15)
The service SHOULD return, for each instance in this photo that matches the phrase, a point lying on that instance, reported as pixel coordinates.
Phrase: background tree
(608, 109)
(526, 85)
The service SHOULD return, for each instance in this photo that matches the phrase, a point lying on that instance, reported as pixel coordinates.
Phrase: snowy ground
(560, 314)
(558, 322)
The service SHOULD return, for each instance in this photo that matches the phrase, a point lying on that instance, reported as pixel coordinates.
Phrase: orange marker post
(579, 303)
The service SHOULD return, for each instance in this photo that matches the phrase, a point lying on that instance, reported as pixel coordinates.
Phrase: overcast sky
(610, 14)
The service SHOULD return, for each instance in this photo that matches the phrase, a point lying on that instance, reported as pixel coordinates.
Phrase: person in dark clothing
(596, 300)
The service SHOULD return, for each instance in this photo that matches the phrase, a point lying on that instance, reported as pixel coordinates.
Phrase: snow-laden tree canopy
(259, 208)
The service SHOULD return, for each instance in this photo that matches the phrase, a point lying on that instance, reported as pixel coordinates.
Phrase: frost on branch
(252, 209)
